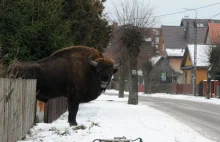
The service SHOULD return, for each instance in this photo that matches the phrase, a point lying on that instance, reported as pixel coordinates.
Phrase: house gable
(162, 66)
(213, 33)
(188, 62)
(202, 60)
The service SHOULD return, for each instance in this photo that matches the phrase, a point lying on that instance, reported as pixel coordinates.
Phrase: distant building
(162, 72)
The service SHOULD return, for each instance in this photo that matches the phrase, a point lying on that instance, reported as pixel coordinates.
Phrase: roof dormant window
(200, 25)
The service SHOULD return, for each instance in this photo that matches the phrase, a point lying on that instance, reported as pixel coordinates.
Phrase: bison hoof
(73, 123)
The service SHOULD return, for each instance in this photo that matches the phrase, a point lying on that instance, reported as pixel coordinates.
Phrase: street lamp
(195, 52)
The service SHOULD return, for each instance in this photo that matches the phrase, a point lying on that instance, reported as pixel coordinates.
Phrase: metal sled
(118, 139)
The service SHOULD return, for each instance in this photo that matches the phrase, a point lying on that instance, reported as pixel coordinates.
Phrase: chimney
(186, 30)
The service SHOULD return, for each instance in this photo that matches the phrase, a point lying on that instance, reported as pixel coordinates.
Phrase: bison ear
(115, 70)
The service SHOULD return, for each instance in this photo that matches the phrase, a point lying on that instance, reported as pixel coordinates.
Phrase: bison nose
(104, 84)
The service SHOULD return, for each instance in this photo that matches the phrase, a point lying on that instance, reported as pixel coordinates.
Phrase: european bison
(79, 73)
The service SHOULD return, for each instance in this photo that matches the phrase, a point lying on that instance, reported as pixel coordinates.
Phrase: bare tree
(116, 49)
(214, 60)
(122, 77)
(134, 19)
(147, 67)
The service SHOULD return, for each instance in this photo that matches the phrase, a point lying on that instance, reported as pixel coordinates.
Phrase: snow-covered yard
(109, 117)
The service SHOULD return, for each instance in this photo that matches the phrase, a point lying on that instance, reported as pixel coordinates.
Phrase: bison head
(104, 69)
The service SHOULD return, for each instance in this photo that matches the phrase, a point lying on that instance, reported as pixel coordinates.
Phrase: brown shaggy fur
(67, 72)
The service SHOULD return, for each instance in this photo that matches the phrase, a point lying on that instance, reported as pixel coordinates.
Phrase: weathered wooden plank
(27, 105)
(11, 106)
(46, 113)
(34, 100)
(23, 108)
(31, 103)
(54, 109)
(31, 95)
(50, 110)
(14, 111)
(15, 108)
(32, 109)
(19, 109)
(2, 116)
(6, 110)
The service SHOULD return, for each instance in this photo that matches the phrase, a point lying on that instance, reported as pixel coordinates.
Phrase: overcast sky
(172, 6)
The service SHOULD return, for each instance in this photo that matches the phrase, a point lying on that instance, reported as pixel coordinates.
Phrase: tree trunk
(133, 92)
(147, 83)
(122, 84)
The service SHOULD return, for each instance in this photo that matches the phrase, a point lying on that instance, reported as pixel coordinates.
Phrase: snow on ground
(185, 97)
(109, 117)
(188, 97)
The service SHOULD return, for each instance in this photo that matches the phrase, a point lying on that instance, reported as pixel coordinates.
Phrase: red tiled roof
(214, 32)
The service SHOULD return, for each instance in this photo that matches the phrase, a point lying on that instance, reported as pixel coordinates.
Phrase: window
(200, 25)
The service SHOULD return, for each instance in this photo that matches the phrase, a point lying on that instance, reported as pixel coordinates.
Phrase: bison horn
(117, 65)
(92, 62)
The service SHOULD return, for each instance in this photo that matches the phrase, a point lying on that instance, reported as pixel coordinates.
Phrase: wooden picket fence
(17, 108)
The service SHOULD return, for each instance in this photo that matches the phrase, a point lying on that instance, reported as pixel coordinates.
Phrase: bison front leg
(73, 109)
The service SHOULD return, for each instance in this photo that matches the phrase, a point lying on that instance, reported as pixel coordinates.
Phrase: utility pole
(195, 55)
(195, 51)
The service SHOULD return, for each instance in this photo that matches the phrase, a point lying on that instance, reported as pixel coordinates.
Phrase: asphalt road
(202, 117)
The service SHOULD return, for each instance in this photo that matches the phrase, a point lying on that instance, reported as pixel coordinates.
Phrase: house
(213, 33)
(177, 37)
(174, 39)
(202, 64)
(162, 72)
(174, 57)
(172, 45)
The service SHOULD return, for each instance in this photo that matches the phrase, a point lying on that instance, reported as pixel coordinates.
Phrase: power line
(215, 15)
(188, 10)
(203, 17)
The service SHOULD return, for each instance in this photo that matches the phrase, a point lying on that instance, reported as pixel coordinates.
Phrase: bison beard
(79, 73)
